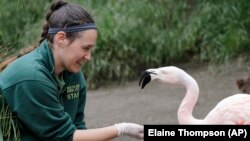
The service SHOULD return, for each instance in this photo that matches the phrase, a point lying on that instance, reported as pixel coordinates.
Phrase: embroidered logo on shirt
(73, 91)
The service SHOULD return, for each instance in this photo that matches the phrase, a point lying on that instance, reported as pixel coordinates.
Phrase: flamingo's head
(169, 74)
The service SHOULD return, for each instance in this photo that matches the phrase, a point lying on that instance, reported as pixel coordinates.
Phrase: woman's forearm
(98, 134)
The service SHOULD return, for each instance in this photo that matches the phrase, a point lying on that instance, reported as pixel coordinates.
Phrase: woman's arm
(98, 134)
(110, 132)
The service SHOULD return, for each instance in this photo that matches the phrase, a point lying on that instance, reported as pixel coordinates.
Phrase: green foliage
(9, 126)
(18, 19)
(134, 35)
(220, 30)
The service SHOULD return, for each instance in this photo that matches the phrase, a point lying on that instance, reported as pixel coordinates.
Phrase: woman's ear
(60, 38)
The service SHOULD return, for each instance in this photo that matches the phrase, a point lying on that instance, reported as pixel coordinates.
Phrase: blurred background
(134, 35)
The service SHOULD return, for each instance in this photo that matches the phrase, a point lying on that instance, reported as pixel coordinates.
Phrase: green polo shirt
(48, 108)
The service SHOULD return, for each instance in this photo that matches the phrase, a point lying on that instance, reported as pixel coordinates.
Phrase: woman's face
(73, 55)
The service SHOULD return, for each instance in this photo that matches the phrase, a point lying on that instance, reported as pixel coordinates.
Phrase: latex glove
(130, 129)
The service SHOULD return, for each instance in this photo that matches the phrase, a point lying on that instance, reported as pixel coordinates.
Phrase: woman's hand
(130, 129)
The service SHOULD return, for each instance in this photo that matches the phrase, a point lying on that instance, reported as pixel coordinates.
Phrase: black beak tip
(145, 79)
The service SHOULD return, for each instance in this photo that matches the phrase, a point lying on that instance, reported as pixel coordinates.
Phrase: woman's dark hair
(61, 14)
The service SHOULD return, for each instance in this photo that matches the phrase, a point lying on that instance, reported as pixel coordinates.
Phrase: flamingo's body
(234, 109)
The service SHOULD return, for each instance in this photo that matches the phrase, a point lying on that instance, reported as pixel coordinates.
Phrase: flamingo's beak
(145, 79)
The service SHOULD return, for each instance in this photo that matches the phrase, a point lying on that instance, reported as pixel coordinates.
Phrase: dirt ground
(158, 103)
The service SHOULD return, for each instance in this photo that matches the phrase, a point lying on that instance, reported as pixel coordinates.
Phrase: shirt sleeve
(37, 105)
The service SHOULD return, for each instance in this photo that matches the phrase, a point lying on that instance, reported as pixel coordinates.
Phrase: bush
(134, 35)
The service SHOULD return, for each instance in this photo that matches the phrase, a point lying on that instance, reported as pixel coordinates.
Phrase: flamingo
(234, 109)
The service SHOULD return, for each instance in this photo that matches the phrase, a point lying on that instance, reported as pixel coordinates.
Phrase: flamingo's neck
(185, 112)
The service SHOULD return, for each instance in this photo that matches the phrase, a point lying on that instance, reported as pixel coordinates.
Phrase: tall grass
(18, 24)
(134, 35)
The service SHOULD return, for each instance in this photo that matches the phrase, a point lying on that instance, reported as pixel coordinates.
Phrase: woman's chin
(75, 70)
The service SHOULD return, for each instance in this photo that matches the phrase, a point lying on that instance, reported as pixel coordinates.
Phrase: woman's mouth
(81, 62)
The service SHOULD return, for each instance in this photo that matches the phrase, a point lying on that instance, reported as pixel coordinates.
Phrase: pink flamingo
(234, 109)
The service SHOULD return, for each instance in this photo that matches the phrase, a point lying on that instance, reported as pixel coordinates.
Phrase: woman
(45, 88)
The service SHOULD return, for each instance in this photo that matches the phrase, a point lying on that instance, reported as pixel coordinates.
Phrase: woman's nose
(88, 56)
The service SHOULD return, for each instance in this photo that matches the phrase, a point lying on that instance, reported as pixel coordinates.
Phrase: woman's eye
(85, 48)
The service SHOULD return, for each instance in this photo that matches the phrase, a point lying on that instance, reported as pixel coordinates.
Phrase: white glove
(130, 129)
